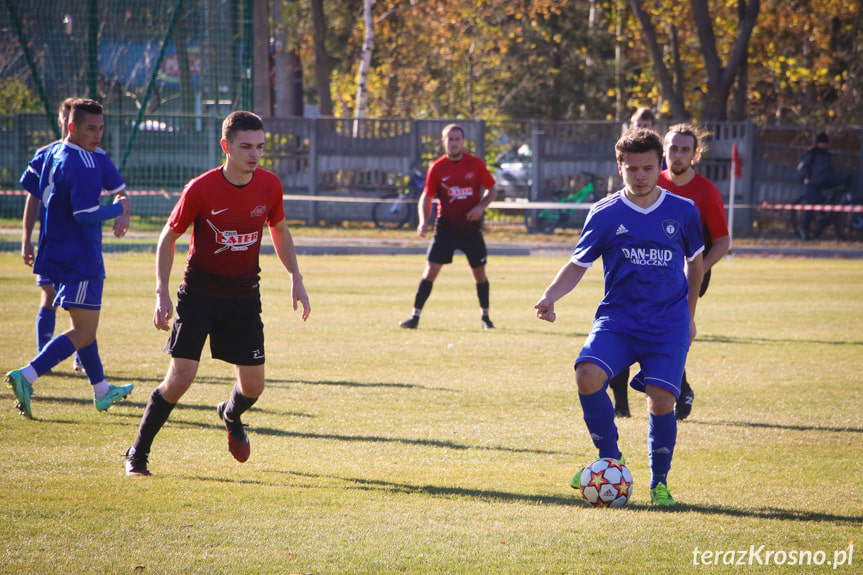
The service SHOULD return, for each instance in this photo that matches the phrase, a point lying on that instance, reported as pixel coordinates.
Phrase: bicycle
(846, 225)
(545, 221)
(398, 209)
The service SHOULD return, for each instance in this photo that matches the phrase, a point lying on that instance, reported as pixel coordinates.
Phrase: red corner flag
(735, 162)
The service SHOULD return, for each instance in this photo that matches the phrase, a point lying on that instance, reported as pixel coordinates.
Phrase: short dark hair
(645, 114)
(63, 115)
(240, 121)
(697, 134)
(638, 141)
(78, 107)
(822, 138)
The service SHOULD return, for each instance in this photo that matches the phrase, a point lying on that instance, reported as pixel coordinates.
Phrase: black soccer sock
(155, 416)
(619, 385)
(482, 293)
(684, 385)
(423, 292)
(238, 404)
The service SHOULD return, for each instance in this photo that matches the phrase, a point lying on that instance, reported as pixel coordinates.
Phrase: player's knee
(589, 377)
(660, 401)
(252, 391)
(81, 338)
(180, 376)
(173, 389)
(431, 271)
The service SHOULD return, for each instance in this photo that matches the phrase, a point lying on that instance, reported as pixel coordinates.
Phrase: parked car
(513, 172)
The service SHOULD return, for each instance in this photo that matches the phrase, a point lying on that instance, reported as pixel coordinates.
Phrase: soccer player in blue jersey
(112, 183)
(71, 249)
(651, 246)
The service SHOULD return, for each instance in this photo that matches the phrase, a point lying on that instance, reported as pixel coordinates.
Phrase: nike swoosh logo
(215, 213)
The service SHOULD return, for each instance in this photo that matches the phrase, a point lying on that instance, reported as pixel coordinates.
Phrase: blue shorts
(86, 294)
(661, 363)
(43, 281)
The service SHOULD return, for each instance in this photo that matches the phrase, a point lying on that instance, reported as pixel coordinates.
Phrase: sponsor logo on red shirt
(234, 241)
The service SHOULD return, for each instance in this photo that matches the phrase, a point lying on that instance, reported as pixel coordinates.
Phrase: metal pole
(93, 45)
(248, 58)
(735, 158)
(149, 91)
(40, 88)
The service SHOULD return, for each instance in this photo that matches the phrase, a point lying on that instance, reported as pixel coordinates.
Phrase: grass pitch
(446, 449)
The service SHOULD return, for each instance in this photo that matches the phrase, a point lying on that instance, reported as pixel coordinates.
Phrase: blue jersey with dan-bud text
(70, 183)
(643, 253)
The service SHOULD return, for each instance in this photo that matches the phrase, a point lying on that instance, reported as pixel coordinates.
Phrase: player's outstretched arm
(564, 282)
(283, 242)
(164, 262)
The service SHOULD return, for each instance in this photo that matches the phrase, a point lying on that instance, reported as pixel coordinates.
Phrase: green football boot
(115, 393)
(22, 390)
(660, 495)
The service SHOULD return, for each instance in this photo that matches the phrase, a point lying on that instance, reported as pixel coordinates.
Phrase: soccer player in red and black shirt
(457, 180)
(219, 296)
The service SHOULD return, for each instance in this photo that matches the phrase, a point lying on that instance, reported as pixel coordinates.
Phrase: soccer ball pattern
(605, 483)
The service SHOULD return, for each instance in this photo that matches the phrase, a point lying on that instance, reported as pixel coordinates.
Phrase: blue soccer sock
(599, 417)
(92, 363)
(46, 319)
(661, 438)
(53, 353)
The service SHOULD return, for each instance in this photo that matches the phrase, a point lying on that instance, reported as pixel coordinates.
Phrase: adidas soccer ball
(605, 483)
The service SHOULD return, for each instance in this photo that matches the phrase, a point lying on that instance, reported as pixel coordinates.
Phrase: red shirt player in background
(457, 179)
(219, 297)
(683, 149)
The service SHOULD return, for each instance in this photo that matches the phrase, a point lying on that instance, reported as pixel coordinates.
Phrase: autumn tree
(588, 59)
(808, 69)
(720, 72)
(322, 62)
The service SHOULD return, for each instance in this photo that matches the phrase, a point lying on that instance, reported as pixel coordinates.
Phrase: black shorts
(444, 245)
(234, 326)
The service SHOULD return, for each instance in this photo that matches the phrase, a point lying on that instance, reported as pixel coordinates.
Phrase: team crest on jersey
(259, 211)
(670, 227)
(234, 241)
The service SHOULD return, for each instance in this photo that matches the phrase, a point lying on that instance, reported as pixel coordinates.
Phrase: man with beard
(457, 179)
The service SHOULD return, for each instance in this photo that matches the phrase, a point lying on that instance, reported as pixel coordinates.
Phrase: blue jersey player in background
(112, 183)
(71, 248)
(651, 246)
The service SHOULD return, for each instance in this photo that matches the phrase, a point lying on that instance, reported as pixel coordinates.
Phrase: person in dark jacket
(816, 170)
